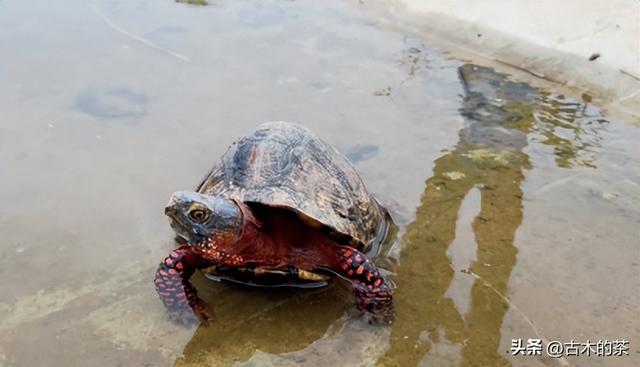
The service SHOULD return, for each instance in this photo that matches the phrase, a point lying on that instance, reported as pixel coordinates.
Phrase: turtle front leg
(373, 293)
(175, 290)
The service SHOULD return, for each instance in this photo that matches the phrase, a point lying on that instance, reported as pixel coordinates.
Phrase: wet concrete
(517, 206)
(582, 45)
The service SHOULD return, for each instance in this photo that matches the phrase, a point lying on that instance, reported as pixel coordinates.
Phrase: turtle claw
(194, 315)
(185, 318)
(378, 318)
(373, 318)
(374, 295)
(376, 305)
(202, 313)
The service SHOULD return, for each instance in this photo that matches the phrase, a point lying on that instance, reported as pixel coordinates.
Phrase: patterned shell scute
(284, 164)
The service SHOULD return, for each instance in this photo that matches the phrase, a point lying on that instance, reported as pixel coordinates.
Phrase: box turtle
(281, 208)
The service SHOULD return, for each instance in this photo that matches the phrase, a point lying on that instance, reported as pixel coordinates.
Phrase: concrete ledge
(545, 39)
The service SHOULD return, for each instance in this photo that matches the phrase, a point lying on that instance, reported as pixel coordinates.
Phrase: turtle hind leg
(373, 293)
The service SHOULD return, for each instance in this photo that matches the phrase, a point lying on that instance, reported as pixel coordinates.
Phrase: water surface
(517, 207)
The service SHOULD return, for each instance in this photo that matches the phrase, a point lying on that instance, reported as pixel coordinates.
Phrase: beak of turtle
(168, 211)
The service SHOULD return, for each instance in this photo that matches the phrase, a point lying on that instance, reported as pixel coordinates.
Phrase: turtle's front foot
(175, 290)
(375, 304)
(373, 294)
(190, 314)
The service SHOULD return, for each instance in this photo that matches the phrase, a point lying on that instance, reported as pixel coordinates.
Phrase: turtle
(281, 208)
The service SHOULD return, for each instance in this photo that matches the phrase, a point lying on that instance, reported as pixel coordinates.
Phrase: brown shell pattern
(286, 165)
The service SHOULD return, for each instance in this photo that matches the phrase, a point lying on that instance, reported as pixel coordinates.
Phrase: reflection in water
(501, 116)
(276, 321)
(68, 67)
(271, 320)
(570, 127)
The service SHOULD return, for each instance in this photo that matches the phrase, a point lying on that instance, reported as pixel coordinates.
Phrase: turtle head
(197, 218)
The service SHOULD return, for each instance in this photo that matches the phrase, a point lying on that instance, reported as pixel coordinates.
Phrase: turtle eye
(198, 215)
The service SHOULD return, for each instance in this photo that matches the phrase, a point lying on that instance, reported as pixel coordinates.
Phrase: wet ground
(517, 207)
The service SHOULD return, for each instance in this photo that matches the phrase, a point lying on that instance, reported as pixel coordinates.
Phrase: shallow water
(518, 207)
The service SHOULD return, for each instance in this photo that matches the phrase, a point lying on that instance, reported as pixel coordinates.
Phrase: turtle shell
(285, 165)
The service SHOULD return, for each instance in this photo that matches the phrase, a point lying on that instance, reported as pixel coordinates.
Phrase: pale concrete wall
(550, 39)
(610, 27)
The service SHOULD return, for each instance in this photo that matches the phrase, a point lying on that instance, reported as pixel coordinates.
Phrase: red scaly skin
(175, 290)
(276, 241)
(172, 278)
(373, 294)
